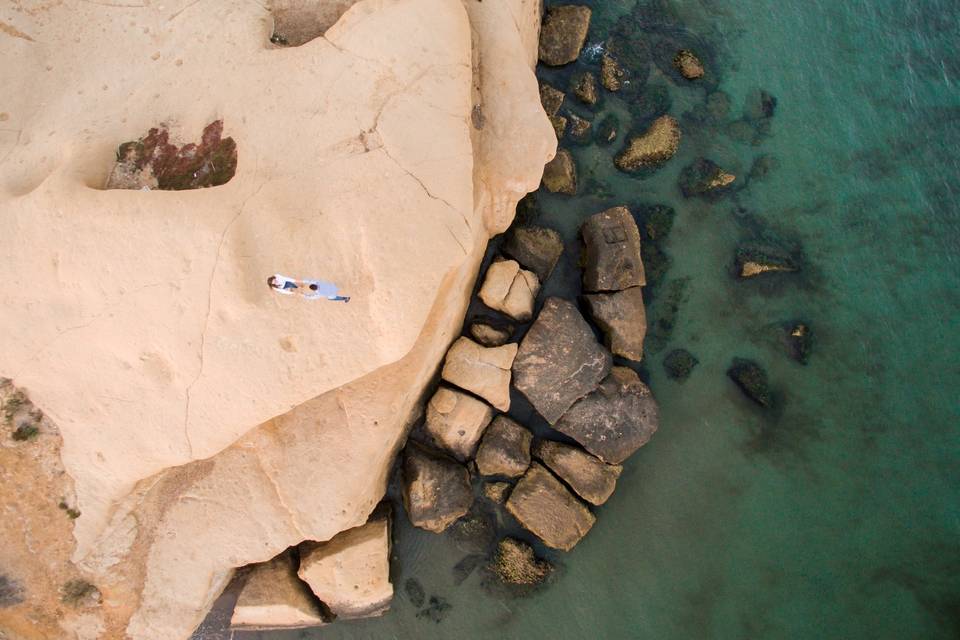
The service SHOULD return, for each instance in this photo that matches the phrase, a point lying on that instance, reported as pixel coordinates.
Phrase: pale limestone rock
(351, 572)
(510, 289)
(484, 371)
(273, 597)
(456, 420)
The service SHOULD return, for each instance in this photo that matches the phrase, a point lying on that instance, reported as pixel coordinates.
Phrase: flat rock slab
(484, 371)
(273, 597)
(509, 289)
(436, 489)
(547, 509)
(350, 573)
(563, 33)
(612, 244)
(505, 449)
(616, 419)
(456, 420)
(592, 479)
(559, 360)
(536, 248)
(623, 320)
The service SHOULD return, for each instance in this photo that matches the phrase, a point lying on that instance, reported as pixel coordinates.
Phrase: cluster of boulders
(345, 577)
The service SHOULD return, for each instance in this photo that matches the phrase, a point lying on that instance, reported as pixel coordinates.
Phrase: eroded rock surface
(436, 489)
(653, 147)
(273, 597)
(456, 420)
(516, 563)
(623, 320)
(547, 509)
(612, 245)
(563, 34)
(509, 289)
(505, 449)
(484, 371)
(592, 479)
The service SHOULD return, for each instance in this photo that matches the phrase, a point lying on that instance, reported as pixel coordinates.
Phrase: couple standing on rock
(310, 289)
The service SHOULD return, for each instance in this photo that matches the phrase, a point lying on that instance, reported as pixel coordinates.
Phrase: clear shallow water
(836, 515)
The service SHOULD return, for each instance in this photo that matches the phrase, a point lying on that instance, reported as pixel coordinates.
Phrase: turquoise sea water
(836, 514)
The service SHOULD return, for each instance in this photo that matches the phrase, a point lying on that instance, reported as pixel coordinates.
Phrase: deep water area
(833, 512)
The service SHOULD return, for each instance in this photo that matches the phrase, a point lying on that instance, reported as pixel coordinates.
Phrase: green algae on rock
(752, 380)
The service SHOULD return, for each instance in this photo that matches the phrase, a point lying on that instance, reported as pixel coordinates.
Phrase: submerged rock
(536, 248)
(551, 98)
(516, 563)
(496, 491)
(273, 597)
(704, 178)
(350, 573)
(752, 261)
(611, 73)
(606, 131)
(484, 371)
(559, 360)
(579, 129)
(657, 221)
(612, 251)
(436, 489)
(415, 592)
(456, 420)
(752, 380)
(679, 364)
(436, 609)
(505, 449)
(559, 124)
(616, 419)
(760, 105)
(653, 147)
(621, 317)
(762, 166)
(510, 289)
(592, 479)
(490, 335)
(563, 34)
(547, 509)
(688, 64)
(560, 174)
(584, 86)
(798, 338)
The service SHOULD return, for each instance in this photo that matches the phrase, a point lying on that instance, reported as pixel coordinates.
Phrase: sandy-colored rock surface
(509, 289)
(273, 597)
(484, 371)
(324, 191)
(547, 509)
(350, 573)
(456, 420)
(593, 480)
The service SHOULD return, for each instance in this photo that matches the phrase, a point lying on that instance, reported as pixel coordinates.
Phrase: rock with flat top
(612, 245)
(563, 34)
(592, 479)
(547, 509)
(623, 320)
(273, 597)
(490, 335)
(436, 489)
(483, 371)
(616, 419)
(559, 360)
(536, 248)
(510, 289)
(560, 174)
(505, 449)
(456, 420)
(653, 147)
(350, 573)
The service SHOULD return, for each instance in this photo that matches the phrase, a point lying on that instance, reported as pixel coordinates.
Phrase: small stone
(510, 289)
(592, 479)
(704, 178)
(563, 34)
(584, 86)
(273, 597)
(612, 251)
(551, 98)
(559, 360)
(799, 341)
(505, 449)
(606, 131)
(752, 261)
(547, 509)
(559, 125)
(483, 371)
(579, 129)
(623, 320)
(496, 491)
(436, 489)
(679, 364)
(760, 105)
(560, 174)
(752, 380)
(615, 420)
(516, 563)
(653, 147)
(536, 248)
(456, 420)
(688, 64)
(489, 335)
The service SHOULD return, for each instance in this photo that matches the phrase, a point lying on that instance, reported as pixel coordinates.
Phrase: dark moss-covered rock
(436, 489)
(752, 380)
(666, 309)
(79, 593)
(11, 592)
(606, 130)
(753, 260)
(704, 178)
(653, 147)
(648, 102)
(563, 34)
(560, 174)
(612, 73)
(584, 86)
(436, 610)
(798, 340)
(415, 592)
(688, 64)
(516, 563)
(535, 248)
(679, 364)
(528, 209)
(656, 221)
(551, 98)
(559, 124)
(656, 262)
(580, 129)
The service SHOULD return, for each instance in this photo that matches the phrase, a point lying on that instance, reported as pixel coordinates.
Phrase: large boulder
(456, 420)
(653, 147)
(612, 245)
(505, 449)
(559, 360)
(509, 289)
(436, 489)
(592, 479)
(623, 320)
(547, 509)
(536, 248)
(563, 33)
(350, 573)
(560, 174)
(615, 420)
(484, 371)
(273, 597)
(516, 563)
